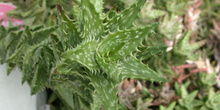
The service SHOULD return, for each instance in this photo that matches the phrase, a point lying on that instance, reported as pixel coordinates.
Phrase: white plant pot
(15, 96)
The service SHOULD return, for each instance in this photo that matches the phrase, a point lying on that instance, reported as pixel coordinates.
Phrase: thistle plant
(82, 60)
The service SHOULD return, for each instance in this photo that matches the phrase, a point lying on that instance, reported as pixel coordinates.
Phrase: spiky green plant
(85, 59)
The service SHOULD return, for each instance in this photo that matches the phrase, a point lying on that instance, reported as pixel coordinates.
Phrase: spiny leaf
(84, 54)
(42, 34)
(40, 78)
(133, 68)
(11, 43)
(111, 13)
(78, 16)
(76, 85)
(57, 46)
(69, 32)
(27, 66)
(43, 69)
(16, 57)
(92, 24)
(111, 68)
(122, 43)
(126, 18)
(31, 57)
(106, 88)
(147, 52)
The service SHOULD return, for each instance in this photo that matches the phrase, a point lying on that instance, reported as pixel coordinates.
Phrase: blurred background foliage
(187, 53)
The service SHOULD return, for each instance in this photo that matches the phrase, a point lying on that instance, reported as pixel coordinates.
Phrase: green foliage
(90, 52)
(84, 59)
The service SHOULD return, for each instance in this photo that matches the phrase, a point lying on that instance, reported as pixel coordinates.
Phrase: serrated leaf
(78, 16)
(126, 18)
(11, 42)
(31, 57)
(69, 32)
(111, 13)
(27, 66)
(92, 24)
(26, 37)
(57, 46)
(122, 43)
(106, 88)
(42, 34)
(77, 85)
(147, 52)
(43, 62)
(134, 68)
(84, 54)
(40, 78)
(17, 56)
